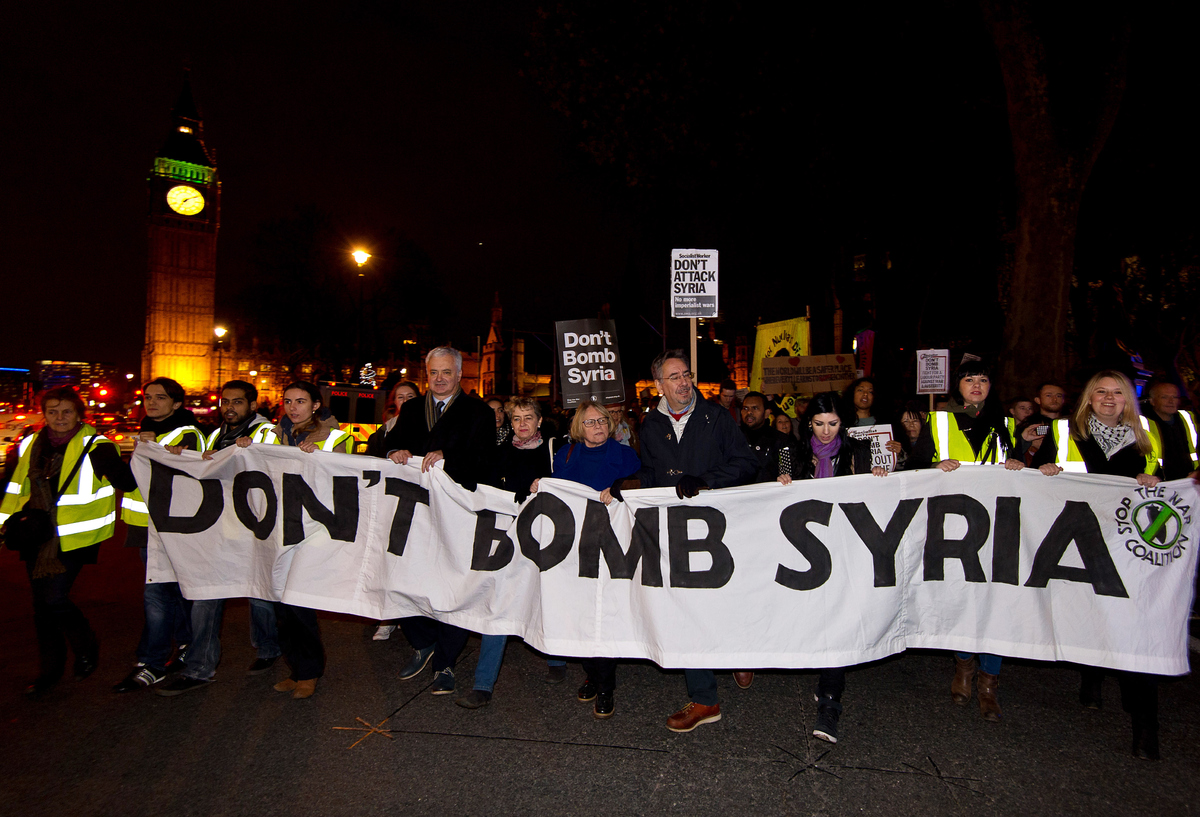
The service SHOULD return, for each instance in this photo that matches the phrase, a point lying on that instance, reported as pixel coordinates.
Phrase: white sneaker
(383, 632)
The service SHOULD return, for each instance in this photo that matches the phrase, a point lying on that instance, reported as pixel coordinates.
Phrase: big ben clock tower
(185, 208)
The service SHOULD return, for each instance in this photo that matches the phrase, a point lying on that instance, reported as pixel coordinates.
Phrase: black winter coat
(712, 448)
(465, 434)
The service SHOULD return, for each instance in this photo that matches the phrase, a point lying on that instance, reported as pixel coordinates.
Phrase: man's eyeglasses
(599, 421)
(675, 378)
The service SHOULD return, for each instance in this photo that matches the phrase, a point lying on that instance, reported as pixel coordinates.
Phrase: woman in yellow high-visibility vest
(975, 429)
(1106, 435)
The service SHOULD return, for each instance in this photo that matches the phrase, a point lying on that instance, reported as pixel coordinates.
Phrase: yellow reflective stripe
(24, 446)
(334, 439)
(1191, 429)
(262, 434)
(1062, 440)
(13, 488)
(135, 505)
(4, 517)
(212, 439)
(87, 525)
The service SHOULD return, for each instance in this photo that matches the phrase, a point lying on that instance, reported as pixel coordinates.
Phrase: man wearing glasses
(691, 445)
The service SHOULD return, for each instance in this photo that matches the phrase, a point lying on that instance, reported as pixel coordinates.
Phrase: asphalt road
(237, 747)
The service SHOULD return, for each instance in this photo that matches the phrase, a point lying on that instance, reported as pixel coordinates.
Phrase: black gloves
(521, 494)
(688, 486)
(615, 490)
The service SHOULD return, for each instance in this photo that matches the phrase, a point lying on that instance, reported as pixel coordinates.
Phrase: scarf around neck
(1110, 440)
(532, 442)
(431, 402)
(825, 452)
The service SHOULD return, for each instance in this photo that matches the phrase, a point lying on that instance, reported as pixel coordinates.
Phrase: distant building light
(184, 129)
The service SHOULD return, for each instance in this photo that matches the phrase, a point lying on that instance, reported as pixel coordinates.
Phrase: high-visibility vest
(259, 433)
(338, 441)
(1068, 457)
(133, 507)
(1189, 425)
(87, 509)
(952, 444)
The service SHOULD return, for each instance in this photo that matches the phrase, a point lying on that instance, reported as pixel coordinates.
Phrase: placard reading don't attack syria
(589, 363)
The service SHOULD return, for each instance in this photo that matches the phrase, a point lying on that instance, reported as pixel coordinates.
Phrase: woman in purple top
(598, 461)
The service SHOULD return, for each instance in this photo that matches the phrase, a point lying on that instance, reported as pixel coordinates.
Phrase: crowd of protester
(678, 438)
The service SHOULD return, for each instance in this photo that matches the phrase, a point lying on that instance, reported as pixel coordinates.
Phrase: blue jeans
(168, 616)
(207, 615)
(987, 663)
(491, 655)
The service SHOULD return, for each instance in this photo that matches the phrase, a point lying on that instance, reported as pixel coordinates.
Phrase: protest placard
(933, 371)
(693, 284)
(778, 339)
(807, 375)
(589, 363)
(878, 436)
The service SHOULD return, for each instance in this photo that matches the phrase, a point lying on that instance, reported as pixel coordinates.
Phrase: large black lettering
(243, 484)
(680, 547)
(410, 495)
(486, 533)
(881, 543)
(1006, 541)
(1077, 524)
(794, 524)
(158, 504)
(597, 537)
(560, 515)
(298, 497)
(938, 548)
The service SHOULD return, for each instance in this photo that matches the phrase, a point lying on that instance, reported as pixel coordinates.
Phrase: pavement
(369, 744)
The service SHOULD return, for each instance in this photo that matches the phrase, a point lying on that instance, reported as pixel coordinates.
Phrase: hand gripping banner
(1089, 569)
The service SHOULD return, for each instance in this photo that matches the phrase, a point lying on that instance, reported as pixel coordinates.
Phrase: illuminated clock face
(185, 200)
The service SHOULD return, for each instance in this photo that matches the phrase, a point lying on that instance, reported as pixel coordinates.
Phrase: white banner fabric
(1089, 569)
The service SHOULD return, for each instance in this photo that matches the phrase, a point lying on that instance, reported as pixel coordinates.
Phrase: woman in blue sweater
(598, 461)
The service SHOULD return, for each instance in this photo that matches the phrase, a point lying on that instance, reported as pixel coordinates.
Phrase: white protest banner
(694, 283)
(807, 375)
(933, 371)
(879, 436)
(832, 572)
(589, 362)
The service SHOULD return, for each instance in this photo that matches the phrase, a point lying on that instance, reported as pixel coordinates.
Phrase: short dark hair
(757, 394)
(66, 394)
(728, 384)
(246, 388)
(171, 387)
(657, 364)
(1046, 383)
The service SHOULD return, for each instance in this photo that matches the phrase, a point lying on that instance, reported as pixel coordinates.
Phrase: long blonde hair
(1129, 416)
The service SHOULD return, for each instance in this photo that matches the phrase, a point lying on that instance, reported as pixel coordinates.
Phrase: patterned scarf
(532, 442)
(1111, 440)
(431, 415)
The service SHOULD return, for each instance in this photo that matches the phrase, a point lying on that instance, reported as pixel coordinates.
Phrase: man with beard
(239, 405)
(1032, 430)
(691, 445)
(766, 443)
(167, 613)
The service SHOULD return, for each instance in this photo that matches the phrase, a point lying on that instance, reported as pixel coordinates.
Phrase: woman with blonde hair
(1106, 435)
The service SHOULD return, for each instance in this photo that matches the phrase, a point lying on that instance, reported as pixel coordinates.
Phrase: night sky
(796, 142)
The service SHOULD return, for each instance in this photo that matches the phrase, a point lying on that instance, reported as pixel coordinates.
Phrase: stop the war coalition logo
(1152, 523)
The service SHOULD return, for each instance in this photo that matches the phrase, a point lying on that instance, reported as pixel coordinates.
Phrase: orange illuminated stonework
(182, 243)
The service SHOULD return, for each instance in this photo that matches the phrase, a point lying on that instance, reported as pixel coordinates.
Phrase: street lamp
(220, 332)
(360, 257)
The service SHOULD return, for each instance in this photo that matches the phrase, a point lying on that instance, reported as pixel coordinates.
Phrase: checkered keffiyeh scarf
(1110, 439)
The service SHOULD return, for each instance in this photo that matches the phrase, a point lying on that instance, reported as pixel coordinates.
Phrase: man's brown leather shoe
(692, 715)
(286, 685)
(989, 696)
(743, 679)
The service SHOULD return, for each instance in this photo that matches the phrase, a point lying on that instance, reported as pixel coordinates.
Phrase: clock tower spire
(183, 219)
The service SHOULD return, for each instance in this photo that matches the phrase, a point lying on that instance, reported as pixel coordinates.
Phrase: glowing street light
(220, 332)
(360, 257)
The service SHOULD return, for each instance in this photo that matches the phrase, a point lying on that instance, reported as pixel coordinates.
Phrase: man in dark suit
(460, 430)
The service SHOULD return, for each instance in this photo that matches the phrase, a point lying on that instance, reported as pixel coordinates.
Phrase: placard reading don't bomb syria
(589, 362)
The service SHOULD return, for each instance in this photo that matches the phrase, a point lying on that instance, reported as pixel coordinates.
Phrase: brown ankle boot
(964, 673)
(989, 696)
(305, 689)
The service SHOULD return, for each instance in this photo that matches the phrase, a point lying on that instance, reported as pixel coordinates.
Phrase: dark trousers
(701, 686)
(446, 639)
(300, 640)
(1139, 693)
(602, 672)
(832, 683)
(58, 621)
